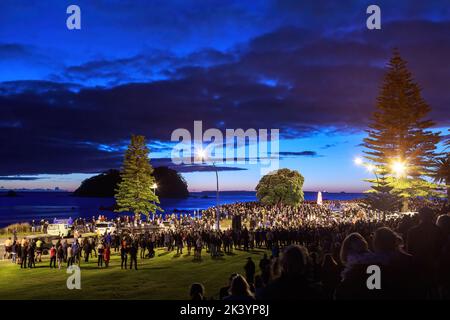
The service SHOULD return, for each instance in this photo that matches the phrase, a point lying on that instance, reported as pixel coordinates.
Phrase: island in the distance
(170, 184)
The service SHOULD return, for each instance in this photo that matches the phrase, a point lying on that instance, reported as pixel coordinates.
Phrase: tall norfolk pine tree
(135, 193)
(399, 132)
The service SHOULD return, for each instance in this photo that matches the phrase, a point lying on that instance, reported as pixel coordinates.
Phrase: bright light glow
(155, 186)
(399, 168)
(358, 161)
(201, 153)
(370, 168)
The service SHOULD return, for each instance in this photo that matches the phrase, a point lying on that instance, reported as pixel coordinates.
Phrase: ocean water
(49, 205)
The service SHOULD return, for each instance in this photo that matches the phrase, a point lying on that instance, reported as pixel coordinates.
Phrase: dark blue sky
(69, 100)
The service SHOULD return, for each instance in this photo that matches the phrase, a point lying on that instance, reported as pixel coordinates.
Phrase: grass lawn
(166, 276)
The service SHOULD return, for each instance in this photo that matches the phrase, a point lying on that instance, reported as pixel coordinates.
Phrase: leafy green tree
(281, 187)
(135, 191)
(399, 141)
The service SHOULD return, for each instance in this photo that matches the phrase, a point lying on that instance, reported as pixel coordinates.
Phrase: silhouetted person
(123, 254)
(239, 290)
(330, 275)
(133, 255)
(443, 222)
(31, 262)
(224, 290)
(250, 270)
(425, 242)
(396, 265)
(197, 292)
(355, 256)
(293, 282)
(23, 256)
(264, 266)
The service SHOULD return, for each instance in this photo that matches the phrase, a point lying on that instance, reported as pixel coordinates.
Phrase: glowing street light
(201, 153)
(399, 168)
(369, 167)
(358, 161)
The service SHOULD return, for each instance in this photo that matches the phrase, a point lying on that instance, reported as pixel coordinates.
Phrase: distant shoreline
(27, 206)
(190, 192)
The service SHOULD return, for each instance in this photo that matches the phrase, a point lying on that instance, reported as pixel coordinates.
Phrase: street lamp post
(217, 198)
(154, 186)
(202, 154)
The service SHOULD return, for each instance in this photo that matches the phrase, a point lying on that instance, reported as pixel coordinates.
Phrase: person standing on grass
(91, 242)
(75, 250)
(53, 257)
(31, 263)
(123, 254)
(60, 256)
(179, 241)
(14, 252)
(250, 270)
(143, 245)
(65, 245)
(18, 251)
(100, 249)
(107, 255)
(23, 255)
(69, 255)
(8, 245)
(198, 249)
(39, 244)
(189, 241)
(87, 250)
(133, 255)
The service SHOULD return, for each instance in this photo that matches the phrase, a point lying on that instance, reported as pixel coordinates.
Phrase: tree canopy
(283, 186)
(400, 144)
(135, 191)
(442, 173)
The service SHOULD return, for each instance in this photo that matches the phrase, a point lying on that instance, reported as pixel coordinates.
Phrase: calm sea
(48, 205)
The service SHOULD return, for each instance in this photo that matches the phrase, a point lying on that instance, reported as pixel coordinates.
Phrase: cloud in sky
(304, 68)
(20, 178)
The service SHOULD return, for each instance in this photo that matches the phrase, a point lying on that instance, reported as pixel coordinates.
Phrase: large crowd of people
(312, 251)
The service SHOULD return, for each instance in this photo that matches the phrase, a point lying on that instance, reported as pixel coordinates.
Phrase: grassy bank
(167, 276)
